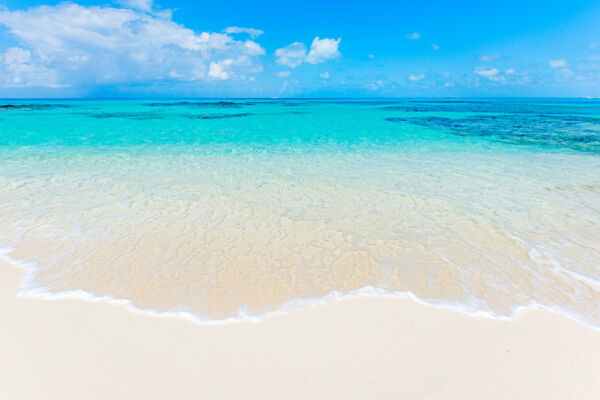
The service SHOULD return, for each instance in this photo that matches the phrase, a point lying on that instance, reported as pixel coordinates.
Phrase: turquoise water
(229, 208)
(296, 125)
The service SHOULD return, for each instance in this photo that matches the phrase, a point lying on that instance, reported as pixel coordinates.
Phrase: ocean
(223, 210)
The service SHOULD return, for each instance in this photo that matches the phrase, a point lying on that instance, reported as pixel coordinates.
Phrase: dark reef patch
(590, 108)
(574, 131)
(31, 107)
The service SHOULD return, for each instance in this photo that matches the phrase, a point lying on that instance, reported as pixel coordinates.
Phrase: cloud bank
(70, 44)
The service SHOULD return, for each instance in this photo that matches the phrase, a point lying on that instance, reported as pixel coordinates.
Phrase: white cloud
(220, 69)
(415, 78)
(371, 56)
(374, 85)
(510, 71)
(283, 74)
(322, 50)
(435, 47)
(493, 74)
(489, 57)
(143, 5)
(105, 45)
(413, 36)
(324, 75)
(291, 55)
(23, 72)
(561, 63)
(489, 73)
(254, 33)
(253, 48)
(16, 56)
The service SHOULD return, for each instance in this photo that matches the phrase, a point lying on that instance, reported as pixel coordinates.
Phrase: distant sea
(228, 209)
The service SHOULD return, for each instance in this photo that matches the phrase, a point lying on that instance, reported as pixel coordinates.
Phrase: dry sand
(363, 348)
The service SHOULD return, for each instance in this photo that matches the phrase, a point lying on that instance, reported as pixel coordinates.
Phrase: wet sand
(363, 348)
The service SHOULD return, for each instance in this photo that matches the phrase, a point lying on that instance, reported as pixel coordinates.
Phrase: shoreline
(292, 305)
(356, 348)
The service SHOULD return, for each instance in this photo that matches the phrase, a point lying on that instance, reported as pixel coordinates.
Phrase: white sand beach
(363, 348)
(299, 200)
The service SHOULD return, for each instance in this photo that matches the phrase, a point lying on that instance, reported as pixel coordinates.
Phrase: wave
(29, 288)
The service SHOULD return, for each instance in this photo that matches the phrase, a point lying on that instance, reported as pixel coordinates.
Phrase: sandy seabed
(362, 348)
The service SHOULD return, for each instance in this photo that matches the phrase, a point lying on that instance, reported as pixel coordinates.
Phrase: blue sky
(180, 48)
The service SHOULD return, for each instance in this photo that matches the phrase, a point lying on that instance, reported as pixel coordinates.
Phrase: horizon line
(303, 98)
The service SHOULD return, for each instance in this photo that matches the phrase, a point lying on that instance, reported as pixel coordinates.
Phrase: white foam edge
(28, 288)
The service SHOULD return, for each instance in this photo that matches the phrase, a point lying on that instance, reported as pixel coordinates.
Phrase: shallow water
(227, 208)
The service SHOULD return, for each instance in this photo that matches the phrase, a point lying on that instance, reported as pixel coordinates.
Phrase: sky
(299, 48)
